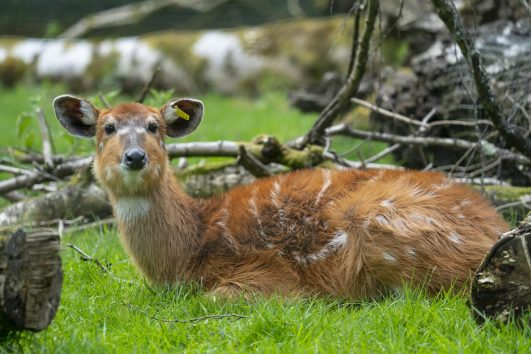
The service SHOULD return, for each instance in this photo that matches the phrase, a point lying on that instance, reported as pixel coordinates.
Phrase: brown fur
(352, 233)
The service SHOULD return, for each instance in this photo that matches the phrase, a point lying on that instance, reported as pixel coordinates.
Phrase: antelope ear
(76, 115)
(182, 116)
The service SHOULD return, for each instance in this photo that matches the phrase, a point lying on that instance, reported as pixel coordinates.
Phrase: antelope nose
(135, 158)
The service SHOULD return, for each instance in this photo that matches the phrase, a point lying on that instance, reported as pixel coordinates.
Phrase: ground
(120, 313)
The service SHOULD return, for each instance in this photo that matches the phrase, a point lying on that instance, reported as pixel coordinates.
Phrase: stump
(501, 288)
(30, 279)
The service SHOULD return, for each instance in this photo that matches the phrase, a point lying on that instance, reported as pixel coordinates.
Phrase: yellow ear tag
(182, 114)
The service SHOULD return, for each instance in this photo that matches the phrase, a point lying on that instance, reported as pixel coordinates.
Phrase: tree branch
(350, 88)
(450, 16)
(344, 129)
(132, 13)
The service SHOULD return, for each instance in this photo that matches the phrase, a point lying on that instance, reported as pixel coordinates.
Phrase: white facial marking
(101, 146)
(130, 208)
(455, 238)
(389, 257)
(327, 181)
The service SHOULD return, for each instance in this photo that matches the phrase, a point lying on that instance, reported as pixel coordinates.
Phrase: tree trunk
(501, 288)
(30, 279)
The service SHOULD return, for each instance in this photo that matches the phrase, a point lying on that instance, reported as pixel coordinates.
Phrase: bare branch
(252, 164)
(344, 129)
(450, 16)
(132, 13)
(349, 89)
(143, 94)
(27, 180)
(85, 257)
(103, 100)
(190, 320)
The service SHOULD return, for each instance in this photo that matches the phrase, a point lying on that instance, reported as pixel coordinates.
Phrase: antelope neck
(160, 230)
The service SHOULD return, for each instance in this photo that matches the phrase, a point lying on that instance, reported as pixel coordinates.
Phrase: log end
(30, 279)
(501, 288)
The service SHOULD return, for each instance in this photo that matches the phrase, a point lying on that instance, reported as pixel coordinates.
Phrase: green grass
(95, 314)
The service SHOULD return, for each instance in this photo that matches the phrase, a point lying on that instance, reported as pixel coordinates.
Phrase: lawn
(120, 313)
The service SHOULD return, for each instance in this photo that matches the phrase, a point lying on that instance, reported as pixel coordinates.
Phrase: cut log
(30, 279)
(501, 288)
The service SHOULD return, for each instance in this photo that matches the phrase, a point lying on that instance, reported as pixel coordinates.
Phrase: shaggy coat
(356, 234)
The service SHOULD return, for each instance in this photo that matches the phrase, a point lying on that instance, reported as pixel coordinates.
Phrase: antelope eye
(109, 129)
(152, 127)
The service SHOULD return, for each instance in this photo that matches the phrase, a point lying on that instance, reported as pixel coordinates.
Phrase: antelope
(355, 234)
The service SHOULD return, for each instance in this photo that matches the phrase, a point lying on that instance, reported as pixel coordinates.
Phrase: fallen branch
(132, 13)
(511, 134)
(252, 164)
(190, 320)
(425, 126)
(60, 171)
(344, 129)
(86, 258)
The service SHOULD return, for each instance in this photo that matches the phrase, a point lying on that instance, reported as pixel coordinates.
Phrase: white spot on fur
(130, 208)
(327, 181)
(381, 220)
(101, 146)
(387, 203)
(460, 216)
(411, 252)
(389, 257)
(466, 202)
(339, 240)
(275, 195)
(254, 211)
(455, 238)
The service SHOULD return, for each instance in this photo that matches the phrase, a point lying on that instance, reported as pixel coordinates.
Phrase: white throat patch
(130, 208)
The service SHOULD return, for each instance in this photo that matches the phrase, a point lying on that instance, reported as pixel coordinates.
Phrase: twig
(252, 164)
(15, 170)
(386, 113)
(98, 223)
(190, 320)
(14, 196)
(528, 8)
(103, 100)
(60, 171)
(132, 13)
(349, 89)
(383, 153)
(362, 160)
(143, 94)
(450, 16)
(85, 257)
(47, 148)
(344, 129)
